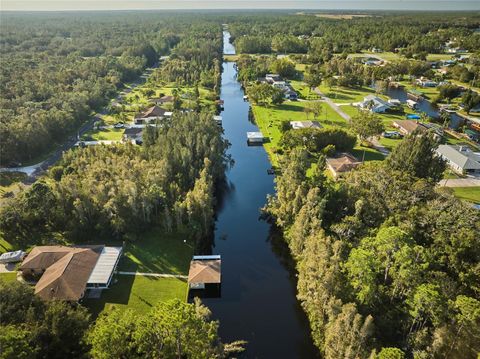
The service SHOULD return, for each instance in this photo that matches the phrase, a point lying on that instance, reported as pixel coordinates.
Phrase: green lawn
(154, 252)
(8, 277)
(345, 94)
(137, 293)
(5, 246)
(269, 121)
(471, 194)
(109, 134)
(158, 252)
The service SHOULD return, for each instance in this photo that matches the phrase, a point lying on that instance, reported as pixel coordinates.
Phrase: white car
(12, 257)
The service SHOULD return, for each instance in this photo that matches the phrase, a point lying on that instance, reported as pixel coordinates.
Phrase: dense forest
(57, 70)
(124, 189)
(412, 33)
(386, 262)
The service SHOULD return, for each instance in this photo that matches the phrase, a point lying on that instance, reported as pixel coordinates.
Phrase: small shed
(255, 137)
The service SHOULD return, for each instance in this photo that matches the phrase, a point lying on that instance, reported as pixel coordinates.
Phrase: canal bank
(258, 297)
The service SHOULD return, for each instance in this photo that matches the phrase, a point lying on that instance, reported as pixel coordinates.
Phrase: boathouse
(205, 276)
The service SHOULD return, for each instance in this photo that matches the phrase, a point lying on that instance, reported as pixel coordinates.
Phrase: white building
(374, 104)
(460, 158)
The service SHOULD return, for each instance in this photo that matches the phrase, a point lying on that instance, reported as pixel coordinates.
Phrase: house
(290, 94)
(255, 137)
(341, 164)
(151, 115)
(162, 100)
(408, 126)
(65, 273)
(374, 104)
(424, 82)
(461, 159)
(133, 134)
(205, 276)
(297, 125)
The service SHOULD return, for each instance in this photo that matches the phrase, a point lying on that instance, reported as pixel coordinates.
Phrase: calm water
(258, 302)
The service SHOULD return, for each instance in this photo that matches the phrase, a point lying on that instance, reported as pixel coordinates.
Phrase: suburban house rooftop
(460, 158)
(66, 272)
(342, 163)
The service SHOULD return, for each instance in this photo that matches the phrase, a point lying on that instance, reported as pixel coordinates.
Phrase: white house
(460, 158)
(374, 104)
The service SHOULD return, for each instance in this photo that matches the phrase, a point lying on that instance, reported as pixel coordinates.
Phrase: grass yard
(345, 94)
(8, 277)
(269, 120)
(154, 252)
(158, 252)
(471, 194)
(108, 134)
(5, 246)
(137, 293)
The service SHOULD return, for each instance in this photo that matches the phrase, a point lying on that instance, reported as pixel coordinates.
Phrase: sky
(69, 5)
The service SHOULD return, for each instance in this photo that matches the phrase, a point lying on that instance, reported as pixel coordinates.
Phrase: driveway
(336, 107)
(460, 182)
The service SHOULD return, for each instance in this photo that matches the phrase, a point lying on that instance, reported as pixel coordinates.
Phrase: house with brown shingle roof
(66, 272)
(408, 126)
(341, 164)
(151, 114)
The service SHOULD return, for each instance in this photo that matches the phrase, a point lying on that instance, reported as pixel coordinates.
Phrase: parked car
(119, 125)
(12, 257)
(392, 134)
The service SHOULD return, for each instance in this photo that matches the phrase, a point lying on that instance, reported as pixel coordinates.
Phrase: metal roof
(105, 265)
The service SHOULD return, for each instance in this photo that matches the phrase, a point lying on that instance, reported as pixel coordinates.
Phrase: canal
(258, 297)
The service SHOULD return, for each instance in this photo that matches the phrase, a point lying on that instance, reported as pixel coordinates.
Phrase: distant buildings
(133, 134)
(461, 159)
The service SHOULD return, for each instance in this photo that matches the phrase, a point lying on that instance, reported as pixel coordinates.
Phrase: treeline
(32, 328)
(196, 60)
(57, 69)
(413, 33)
(121, 190)
(387, 262)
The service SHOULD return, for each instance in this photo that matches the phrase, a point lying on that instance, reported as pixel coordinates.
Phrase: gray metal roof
(461, 156)
(105, 265)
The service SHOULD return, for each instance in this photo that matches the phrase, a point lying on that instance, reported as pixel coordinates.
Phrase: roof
(105, 265)
(132, 131)
(408, 125)
(153, 111)
(343, 163)
(460, 156)
(43, 257)
(205, 271)
(254, 135)
(66, 270)
(296, 125)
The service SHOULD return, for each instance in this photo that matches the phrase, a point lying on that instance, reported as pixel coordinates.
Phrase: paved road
(460, 182)
(336, 107)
